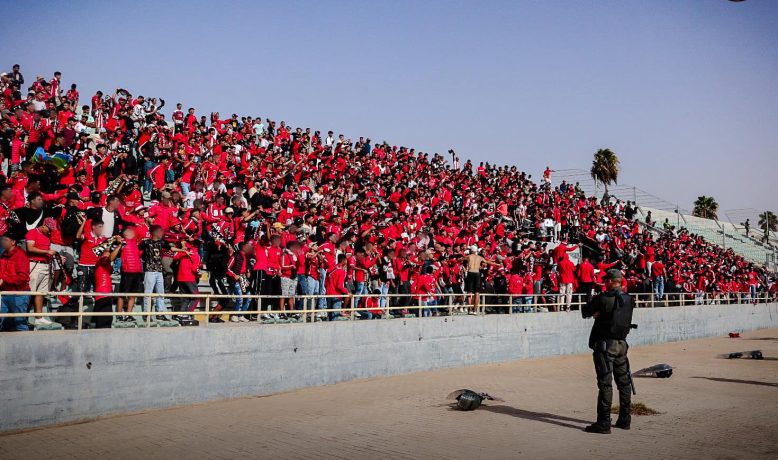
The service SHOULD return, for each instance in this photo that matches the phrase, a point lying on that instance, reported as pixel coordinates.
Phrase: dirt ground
(710, 408)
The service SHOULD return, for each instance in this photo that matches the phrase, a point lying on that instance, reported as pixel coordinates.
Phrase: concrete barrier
(55, 377)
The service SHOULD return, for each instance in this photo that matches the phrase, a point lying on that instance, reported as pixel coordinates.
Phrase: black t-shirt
(30, 218)
(152, 254)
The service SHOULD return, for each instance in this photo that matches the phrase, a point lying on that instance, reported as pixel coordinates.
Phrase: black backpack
(621, 319)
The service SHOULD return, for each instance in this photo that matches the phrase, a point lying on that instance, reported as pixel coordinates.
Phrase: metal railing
(353, 306)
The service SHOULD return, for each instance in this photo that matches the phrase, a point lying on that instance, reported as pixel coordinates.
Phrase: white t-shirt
(108, 223)
(259, 129)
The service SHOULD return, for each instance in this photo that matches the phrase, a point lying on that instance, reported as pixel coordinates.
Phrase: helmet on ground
(664, 373)
(661, 371)
(469, 400)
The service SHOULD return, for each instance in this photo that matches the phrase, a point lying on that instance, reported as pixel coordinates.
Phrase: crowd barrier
(398, 305)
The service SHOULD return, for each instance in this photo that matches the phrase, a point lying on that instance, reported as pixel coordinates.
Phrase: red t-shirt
(88, 257)
(274, 260)
(187, 266)
(186, 175)
(586, 272)
(657, 269)
(103, 270)
(336, 282)
(425, 285)
(566, 271)
(515, 284)
(260, 258)
(364, 264)
(42, 242)
(163, 215)
(288, 264)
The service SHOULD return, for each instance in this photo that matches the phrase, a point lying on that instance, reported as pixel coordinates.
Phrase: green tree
(706, 207)
(768, 222)
(605, 169)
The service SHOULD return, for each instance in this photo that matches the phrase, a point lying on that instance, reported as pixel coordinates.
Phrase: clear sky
(685, 92)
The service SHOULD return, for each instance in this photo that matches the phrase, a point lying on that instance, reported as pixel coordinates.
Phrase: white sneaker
(234, 319)
(42, 321)
(243, 319)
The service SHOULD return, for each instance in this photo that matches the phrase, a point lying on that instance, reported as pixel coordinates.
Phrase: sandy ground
(711, 408)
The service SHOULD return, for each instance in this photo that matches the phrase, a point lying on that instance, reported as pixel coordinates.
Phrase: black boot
(601, 427)
(624, 420)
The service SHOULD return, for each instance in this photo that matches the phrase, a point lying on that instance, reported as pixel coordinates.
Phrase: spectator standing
(187, 274)
(85, 271)
(474, 263)
(586, 278)
(425, 289)
(109, 215)
(16, 75)
(516, 290)
(131, 281)
(336, 286)
(566, 279)
(40, 254)
(14, 276)
(658, 276)
(237, 269)
(104, 284)
(289, 275)
(153, 279)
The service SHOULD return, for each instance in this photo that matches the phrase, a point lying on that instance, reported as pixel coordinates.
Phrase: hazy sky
(685, 92)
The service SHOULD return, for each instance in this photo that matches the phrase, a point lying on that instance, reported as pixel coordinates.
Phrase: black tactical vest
(615, 317)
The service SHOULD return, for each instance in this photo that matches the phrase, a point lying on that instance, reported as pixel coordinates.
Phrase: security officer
(612, 312)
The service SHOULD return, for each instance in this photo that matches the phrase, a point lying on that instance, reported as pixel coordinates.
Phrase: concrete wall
(63, 376)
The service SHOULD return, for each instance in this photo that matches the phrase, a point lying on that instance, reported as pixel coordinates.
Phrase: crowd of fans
(111, 195)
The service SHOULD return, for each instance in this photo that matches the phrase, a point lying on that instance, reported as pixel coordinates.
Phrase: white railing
(353, 306)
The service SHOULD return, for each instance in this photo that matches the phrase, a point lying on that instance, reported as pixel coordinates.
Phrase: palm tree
(605, 169)
(768, 222)
(706, 207)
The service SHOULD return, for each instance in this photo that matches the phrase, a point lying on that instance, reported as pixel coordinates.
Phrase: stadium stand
(113, 196)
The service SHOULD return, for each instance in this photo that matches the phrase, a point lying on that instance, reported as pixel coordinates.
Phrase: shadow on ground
(745, 382)
(543, 417)
(766, 358)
